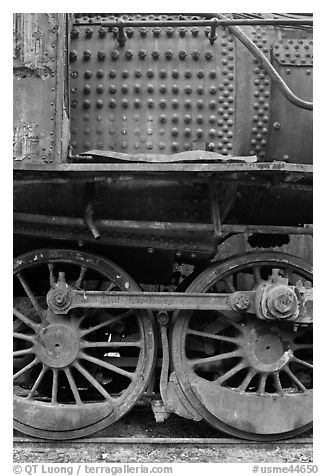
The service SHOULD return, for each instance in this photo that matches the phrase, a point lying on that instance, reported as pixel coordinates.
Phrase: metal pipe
(203, 23)
(162, 226)
(280, 83)
(90, 222)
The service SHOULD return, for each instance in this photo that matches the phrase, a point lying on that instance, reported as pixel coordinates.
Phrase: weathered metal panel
(40, 125)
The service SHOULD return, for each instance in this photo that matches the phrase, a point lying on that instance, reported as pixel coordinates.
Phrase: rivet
(169, 31)
(101, 55)
(128, 54)
(187, 132)
(175, 118)
(276, 126)
(99, 88)
(200, 104)
(212, 133)
(86, 104)
(308, 72)
(129, 32)
(212, 104)
(88, 32)
(99, 104)
(155, 54)
(182, 54)
(87, 54)
(115, 54)
(156, 32)
(137, 88)
(175, 88)
(142, 54)
(162, 103)
(175, 73)
(102, 32)
(168, 54)
(73, 55)
(87, 89)
(187, 104)
(74, 33)
(174, 146)
(174, 131)
(150, 73)
(194, 32)
(200, 74)
(143, 32)
(124, 88)
(150, 88)
(188, 74)
(112, 89)
(200, 119)
(163, 88)
(199, 132)
(162, 146)
(74, 103)
(125, 73)
(175, 103)
(124, 103)
(182, 31)
(112, 73)
(212, 74)
(162, 73)
(195, 55)
(231, 110)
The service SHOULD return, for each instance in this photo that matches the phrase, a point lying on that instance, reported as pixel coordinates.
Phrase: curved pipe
(283, 87)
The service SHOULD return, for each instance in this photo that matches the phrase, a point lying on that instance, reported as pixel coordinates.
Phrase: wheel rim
(247, 377)
(75, 374)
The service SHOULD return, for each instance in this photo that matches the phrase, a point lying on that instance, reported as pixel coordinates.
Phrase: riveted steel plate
(294, 52)
(166, 90)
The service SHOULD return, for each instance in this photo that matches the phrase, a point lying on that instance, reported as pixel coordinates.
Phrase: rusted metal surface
(40, 117)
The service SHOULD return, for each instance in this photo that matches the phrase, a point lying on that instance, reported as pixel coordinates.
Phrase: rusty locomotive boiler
(163, 221)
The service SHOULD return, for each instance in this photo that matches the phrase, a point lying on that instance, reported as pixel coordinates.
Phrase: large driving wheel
(245, 376)
(78, 373)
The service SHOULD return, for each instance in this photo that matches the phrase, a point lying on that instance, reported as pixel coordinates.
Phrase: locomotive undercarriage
(163, 210)
(206, 341)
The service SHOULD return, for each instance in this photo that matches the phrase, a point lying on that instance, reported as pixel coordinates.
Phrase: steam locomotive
(163, 221)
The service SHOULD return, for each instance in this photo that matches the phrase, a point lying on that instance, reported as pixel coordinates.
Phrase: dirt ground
(140, 423)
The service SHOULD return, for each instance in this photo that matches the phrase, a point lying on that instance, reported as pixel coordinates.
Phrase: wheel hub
(58, 345)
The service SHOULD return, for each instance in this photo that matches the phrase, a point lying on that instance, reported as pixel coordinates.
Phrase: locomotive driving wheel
(246, 376)
(78, 373)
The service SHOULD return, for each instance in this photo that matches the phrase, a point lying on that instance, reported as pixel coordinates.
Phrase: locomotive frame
(240, 336)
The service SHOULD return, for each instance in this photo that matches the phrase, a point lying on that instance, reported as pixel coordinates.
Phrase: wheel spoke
(30, 295)
(216, 358)
(231, 372)
(106, 365)
(18, 353)
(26, 320)
(73, 385)
(302, 362)
(54, 397)
(81, 276)
(257, 274)
(206, 335)
(229, 284)
(37, 382)
(51, 274)
(262, 383)
(107, 322)
(87, 344)
(93, 381)
(26, 368)
(295, 379)
(29, 338)
(246, 381)
(277, 382)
